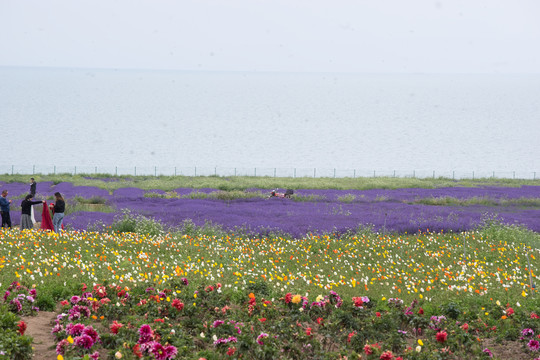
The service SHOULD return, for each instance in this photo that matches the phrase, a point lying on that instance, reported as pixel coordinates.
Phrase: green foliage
(12, 344)
(347, 198)
(493, 228)
(139, 224)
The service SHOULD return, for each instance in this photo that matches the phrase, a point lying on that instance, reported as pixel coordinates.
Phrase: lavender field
(310, 211)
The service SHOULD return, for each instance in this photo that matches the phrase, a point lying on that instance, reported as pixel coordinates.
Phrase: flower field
(328, 274)
(408, 210)
(418, 296)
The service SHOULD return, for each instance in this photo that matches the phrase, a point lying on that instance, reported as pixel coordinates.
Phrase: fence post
(534, 176)
(274, 172)
(493, 175)
(234, 171)
(334, 173)
(414, 174)
(75, 172)
(314, 172)
(195, 171)
(135, 171)
(54, 171)
(12, 169)
(255, 172)
(215, 171)
(295, 173)
(473, 175)
(175, 171)
(373, 173)
(354, 174)
(434, 174)
(33, 169)
(453, 175)
(514, 174)
(95, 170)
(394, 173)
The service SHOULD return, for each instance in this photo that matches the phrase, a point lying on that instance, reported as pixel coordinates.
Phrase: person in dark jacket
(58, 207)
(26, 206)
(33, 185)
(4, 209)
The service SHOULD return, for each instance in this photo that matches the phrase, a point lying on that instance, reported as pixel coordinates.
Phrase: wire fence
(259, 171)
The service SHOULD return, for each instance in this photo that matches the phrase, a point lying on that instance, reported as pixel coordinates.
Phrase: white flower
(202, 335)
(418, 348)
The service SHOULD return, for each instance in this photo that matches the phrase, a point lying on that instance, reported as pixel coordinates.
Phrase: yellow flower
(420, 342)
(59, 357)
(70, 339)
(296, 299)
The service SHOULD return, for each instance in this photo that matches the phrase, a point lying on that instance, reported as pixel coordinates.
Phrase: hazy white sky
(493, 36)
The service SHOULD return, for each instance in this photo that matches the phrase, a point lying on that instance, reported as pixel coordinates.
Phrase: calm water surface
(224, 121)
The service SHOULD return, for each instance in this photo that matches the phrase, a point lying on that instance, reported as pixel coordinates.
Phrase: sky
(361, 36)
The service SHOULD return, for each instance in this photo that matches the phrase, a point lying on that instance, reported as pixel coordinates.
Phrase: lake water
(87, 120)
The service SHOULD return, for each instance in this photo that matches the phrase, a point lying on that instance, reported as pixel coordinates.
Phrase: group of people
(27, 214)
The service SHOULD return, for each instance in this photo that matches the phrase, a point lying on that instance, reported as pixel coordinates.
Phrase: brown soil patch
(39, 328)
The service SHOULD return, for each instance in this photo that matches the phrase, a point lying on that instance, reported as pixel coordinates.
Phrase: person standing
(33, 185)
(26, 206)
(59, 207)
(4, 209)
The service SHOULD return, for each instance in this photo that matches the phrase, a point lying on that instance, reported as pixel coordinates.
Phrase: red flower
(288, 298)
(441, 336)
(368, 350)
(64, 302)
(357, 301)
(378, 314)
(137, 351)
(177, 304)
(350, 336)
(115, 326)
(159, 320)
(465, 327)
(84, 287)
(231, 351)
(308, 331)
(262, 319)
(534, 316)
(420, 311)
(387, 355)
(509, 311)
(320, 320)
(21, 327)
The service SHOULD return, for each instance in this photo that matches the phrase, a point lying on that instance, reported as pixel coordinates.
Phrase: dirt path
(39, 327)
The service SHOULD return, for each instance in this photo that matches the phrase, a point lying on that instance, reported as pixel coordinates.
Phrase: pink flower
(261, 337)
(533, 345)
(387, 355)
(90, 331)
(83, 341)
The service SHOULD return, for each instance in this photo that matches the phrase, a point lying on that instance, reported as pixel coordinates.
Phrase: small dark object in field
(288, 193)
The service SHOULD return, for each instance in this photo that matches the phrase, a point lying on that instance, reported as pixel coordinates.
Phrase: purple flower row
(382, 209)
